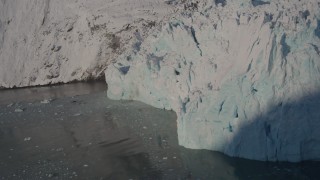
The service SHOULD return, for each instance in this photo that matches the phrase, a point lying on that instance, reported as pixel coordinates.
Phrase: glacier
(242, 77)
(47, 42)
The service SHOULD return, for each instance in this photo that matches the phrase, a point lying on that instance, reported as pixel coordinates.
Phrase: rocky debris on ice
(243, 76)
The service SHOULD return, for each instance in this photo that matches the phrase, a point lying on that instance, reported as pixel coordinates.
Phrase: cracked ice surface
(242, 76)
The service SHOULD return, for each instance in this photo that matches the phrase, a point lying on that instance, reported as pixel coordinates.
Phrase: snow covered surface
(243, 76)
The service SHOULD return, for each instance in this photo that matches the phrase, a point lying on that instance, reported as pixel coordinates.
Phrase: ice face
(243, 80)
(47, 42)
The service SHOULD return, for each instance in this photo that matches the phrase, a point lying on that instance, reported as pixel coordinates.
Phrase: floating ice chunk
(9, 105)
(78, 114)
(18, 110)
(45, 101)
(27, 138)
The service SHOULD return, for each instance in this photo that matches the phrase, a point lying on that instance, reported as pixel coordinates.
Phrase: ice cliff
(46, 41)
(242, 76)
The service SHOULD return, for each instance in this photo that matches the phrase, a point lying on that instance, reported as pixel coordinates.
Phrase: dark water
(80, 134)
(56, 91)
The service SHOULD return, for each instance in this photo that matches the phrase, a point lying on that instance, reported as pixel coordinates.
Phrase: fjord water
(74, 131)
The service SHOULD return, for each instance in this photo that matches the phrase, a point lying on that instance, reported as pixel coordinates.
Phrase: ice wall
(243, 76)
(49, 41)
